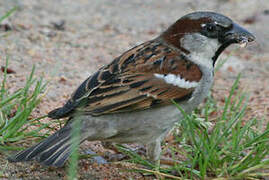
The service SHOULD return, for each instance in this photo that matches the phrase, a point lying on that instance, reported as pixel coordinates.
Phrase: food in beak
(243, 43)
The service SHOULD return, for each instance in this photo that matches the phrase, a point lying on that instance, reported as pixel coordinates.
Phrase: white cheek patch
(176, 80)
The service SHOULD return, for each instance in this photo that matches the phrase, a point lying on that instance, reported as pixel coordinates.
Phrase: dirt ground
(68, 40)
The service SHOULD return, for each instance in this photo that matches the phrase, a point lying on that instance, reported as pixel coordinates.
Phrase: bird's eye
(211, 30)
(210, 27)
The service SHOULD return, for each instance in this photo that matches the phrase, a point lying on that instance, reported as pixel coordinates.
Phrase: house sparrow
(129, 100)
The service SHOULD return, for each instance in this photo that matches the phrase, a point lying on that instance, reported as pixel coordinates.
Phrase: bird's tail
(53, 151)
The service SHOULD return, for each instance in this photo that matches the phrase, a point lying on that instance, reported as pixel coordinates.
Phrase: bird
(131, 99)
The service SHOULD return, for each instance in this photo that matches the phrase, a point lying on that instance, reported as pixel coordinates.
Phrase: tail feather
(53, 151)
(57, 158)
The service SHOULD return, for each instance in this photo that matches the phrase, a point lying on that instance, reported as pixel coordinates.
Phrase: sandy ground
(95, 32)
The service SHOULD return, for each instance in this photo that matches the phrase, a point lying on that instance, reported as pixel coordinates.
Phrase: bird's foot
(114, 157)
(96, 158)
(118, 155)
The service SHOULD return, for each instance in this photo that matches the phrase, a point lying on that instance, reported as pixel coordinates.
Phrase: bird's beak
(237, 34)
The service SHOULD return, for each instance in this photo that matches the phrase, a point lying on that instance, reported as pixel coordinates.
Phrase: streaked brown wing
(142, 93)
(136, 87)
(129, 84)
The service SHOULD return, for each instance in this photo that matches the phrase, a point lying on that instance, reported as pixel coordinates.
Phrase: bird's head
(205, 35)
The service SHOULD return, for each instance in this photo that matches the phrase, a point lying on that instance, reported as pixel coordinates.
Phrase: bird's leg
(154, 151)
(154, 154)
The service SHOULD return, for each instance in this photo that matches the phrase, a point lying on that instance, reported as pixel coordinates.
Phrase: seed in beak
(243, 43)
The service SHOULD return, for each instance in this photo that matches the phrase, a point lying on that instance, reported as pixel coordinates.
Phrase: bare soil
(68, 40)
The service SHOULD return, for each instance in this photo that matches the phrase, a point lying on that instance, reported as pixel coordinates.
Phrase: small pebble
(59, 25)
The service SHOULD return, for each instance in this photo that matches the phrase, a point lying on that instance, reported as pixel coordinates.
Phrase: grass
(15, 112)
(16, 123)
(75, 139)
(9, 13)
(232, 149)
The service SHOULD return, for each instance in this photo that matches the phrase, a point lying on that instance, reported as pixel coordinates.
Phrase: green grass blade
(8, 14)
